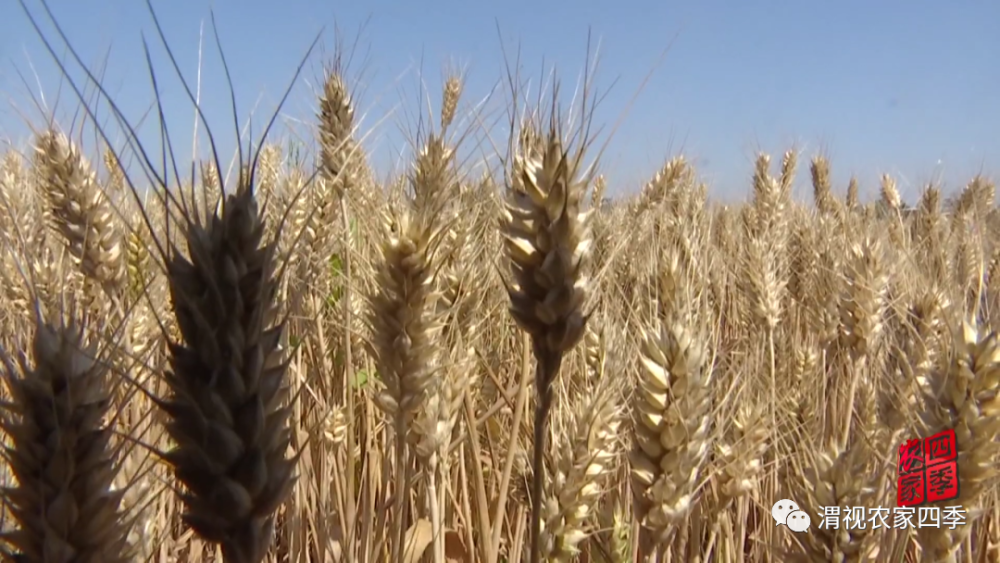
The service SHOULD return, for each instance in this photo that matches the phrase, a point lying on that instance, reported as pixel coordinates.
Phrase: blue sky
(907, 88)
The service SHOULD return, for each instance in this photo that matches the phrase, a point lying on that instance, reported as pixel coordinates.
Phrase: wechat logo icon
(788, 513)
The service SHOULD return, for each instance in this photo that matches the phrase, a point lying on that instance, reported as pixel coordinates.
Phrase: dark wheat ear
(63, 502)
(227, 406)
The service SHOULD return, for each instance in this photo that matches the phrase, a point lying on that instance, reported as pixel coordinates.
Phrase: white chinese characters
(899, 517)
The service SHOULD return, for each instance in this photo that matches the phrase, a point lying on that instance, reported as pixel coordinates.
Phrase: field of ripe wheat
(298, 363)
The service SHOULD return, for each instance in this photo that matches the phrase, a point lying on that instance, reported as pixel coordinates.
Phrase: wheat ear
(851, 199)
(406, 325)
(227, 402)
(964, 396)
(340, 168)
(80, 210)
(839, 477)
(672, 425)
(547, 243)
(585, 440)
(63, 503)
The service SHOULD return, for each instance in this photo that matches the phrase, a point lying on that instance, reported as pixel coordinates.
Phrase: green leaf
(336, 265)
(360, 379)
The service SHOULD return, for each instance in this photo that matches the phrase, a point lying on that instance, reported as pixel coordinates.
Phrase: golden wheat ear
(63, 504)
(80, 210)
(547, 242)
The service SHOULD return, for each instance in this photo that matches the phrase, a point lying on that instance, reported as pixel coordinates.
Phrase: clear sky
(909, 88)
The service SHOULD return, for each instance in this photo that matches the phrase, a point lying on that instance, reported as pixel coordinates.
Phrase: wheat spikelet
(803, 262)
(595, 352)
(438, 416)
(212, 187)
(227, 384)
(789, 165)
(929, 220)
(600, 188)
(666, 184)
(137, 263)
(437, 200)
(404, 316)
(464, 276)
(12, 172)
(805, 363)
(970, 266)
(269, 162)
(764, 284)
(671, 296)
(63, 504)
(269, 169)
(770, 202)
(993, 271)
(977, 198)
(51, 280)
(300, 237)
(406, 322)
(931, 234)
(434, 182)
(985, 191)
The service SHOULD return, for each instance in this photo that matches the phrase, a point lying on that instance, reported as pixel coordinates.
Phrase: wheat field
(291, 360)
